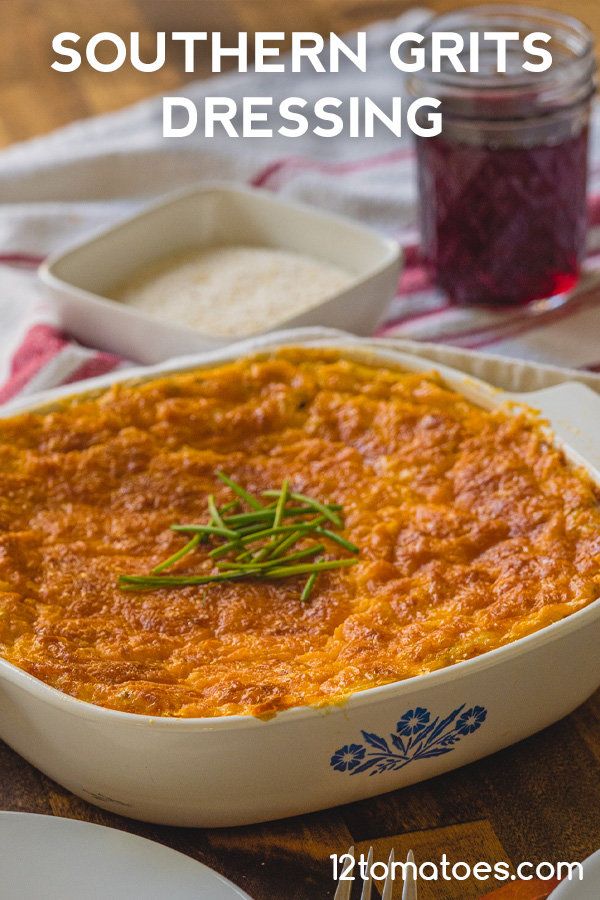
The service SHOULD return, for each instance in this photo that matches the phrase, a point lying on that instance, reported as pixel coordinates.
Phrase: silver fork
(409, 890)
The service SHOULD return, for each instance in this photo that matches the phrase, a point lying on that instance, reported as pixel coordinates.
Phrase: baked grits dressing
(473, 532)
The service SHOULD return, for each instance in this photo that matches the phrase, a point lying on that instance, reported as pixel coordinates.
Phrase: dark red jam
(503, 225)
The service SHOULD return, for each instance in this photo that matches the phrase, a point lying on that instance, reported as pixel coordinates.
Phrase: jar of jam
(503, 186)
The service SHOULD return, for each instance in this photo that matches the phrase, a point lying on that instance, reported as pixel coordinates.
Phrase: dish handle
(574, 412)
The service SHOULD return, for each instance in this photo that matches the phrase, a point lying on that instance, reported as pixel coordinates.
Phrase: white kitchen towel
(59, 188)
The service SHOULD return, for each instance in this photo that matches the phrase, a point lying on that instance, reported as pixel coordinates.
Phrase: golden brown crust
(473, 530)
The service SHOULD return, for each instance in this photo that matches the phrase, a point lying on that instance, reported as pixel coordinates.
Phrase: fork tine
(344, 888)
(366, 891)
(389, 881)
(409, 891)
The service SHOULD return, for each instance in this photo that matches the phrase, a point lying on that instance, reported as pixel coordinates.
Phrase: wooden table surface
(539, 800)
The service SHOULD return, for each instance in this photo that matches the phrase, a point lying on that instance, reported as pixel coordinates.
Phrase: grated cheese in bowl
(231, 291)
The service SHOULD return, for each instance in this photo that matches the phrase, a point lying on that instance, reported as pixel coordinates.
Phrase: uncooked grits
(231, 291)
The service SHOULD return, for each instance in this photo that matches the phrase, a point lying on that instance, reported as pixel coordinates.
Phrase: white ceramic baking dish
(237, 770)
(214, 214)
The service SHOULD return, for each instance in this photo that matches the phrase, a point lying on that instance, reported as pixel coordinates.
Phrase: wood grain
(536, 801)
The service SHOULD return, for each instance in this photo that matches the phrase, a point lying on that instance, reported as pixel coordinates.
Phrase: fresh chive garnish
(215, 515)
(252, 502)
(254, 536)
(280, 544)
(347, 545)
(322, 507)
(187, 548)
(263, 539)
(324, 566)
(243, 520)
(253, 529)
(268, 514)
(281, 503)
(177, 580)
(308, 587)
(284, 543)
(276, 563)
(205, 529)
(279, 509)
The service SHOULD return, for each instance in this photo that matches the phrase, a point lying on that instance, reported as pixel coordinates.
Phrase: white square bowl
(81, 278)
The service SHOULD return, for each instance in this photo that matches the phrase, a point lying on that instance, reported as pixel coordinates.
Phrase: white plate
(57, 859)
(588, 888)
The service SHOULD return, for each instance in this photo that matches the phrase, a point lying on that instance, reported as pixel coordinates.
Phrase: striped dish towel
(62, 187)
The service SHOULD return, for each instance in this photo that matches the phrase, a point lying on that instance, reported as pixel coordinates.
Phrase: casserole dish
(238, 770)
(214, 214)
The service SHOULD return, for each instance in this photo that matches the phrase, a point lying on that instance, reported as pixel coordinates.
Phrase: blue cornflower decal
(471, 720)
(413, 721)
(347, 757)
(418, 735)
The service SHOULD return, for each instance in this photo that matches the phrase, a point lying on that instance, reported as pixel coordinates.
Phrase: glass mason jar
(503, 187)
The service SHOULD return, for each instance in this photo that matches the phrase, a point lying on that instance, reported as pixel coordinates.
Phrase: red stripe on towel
(278, 172)
(38, 348)
(22, 260)
(40, 344)
(98, 364)
(262, 178)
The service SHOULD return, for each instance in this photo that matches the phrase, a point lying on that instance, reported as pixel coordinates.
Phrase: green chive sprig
(259, 539)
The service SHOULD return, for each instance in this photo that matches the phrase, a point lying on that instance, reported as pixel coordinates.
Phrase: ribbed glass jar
(503, 187)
